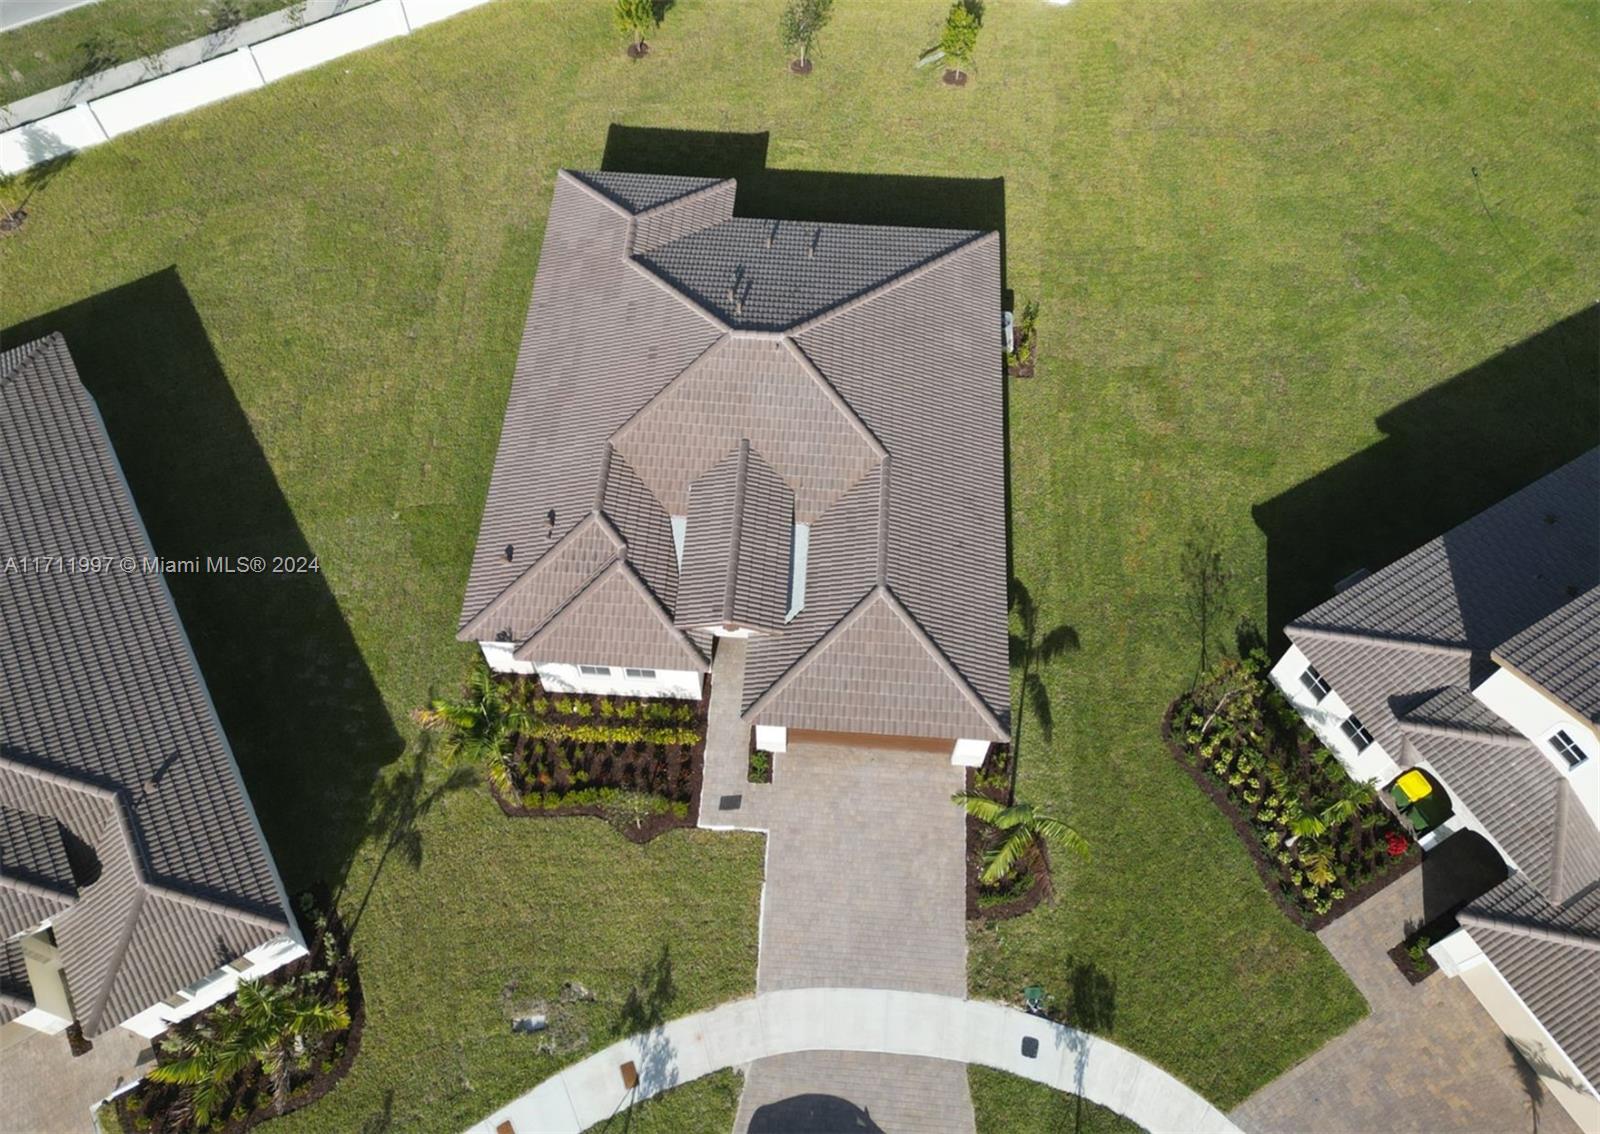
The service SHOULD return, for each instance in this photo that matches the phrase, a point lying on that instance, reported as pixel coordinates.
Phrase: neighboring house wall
(1458, 955)
(1325, 716)
(1533, 713)
(501, 657)
(559, 677)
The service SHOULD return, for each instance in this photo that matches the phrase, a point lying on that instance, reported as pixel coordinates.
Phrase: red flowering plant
(1396, 843)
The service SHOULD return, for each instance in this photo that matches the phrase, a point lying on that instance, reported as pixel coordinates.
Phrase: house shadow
(296, 700)
(1446, 455)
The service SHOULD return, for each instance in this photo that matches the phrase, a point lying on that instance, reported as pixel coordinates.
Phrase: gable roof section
(103, 702)
(770, 275)
(1558, 654)
(1550, 957)
(737, 546)
(613, 620)
(555, 577)
(1514, 790)
(878, 647)
(641, 192)
(756, 389)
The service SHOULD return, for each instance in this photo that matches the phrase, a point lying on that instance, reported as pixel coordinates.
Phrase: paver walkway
(936, 1031)
(1428, 1058)
(45, 1090)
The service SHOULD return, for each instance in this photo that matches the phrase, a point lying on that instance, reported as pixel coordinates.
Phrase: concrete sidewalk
(894, 1023)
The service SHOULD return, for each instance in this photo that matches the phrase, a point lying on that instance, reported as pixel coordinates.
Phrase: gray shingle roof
(1550, 956)
(16, 994)
(33, 851)
(893, 358)
(768, 275)
(613, 620)
(1558, 654)
(105, 725)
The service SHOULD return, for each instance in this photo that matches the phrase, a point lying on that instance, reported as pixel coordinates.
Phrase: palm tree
(1020, 828)
(273, 1025)
(478, 727)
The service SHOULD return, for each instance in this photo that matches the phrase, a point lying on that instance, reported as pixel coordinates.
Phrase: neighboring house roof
(1432, 618)
(1550, 956)
(106, 730)
(644, 390)
(1557, 653)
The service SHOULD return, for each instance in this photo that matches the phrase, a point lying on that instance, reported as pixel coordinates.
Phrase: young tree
(478, 726)
(271, 1024)
(634, 18)
(1206, 581)
(960, 37)
(1018, 828)
(802, 21)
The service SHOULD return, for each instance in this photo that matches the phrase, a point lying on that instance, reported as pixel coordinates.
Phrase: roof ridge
(1350, 634)
(26, 353)
(9, 881)
(210, 905)
(730, 580)
(619, 565)
(599, 573)
(684, 297)
(850, 303)
(577, 178)
(942, 660)
(715, 183)
(814, 372)
(680, 378)
(60, 779)
(815, 650)
(472, 627)
(1461, 732)
(1558, 844)
(1524, 928)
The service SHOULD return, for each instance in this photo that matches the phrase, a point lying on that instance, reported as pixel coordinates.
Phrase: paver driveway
(865, 888)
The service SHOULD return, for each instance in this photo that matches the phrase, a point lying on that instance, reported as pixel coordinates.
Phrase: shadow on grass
(1446, 455)
(297, 702)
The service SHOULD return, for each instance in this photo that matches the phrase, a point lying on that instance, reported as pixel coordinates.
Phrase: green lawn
(1007, 1103)
(701, 1105)
(80, 42)
(1271, 289)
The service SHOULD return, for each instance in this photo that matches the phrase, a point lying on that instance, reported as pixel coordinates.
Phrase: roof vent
(772, 234)
(550, 523)
(510, 552)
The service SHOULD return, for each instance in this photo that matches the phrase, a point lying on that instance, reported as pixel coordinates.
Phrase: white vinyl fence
(253, 65)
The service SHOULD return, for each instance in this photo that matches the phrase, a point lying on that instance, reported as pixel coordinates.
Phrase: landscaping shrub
(1323, 835)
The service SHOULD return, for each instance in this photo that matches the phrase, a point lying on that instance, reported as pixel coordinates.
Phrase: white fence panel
(207, 82)
(340, 35)
(420, 13)
(48, 138)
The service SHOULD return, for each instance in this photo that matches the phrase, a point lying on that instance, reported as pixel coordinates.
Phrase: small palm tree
(478, 727)
(273, 1025)
(1019, 828)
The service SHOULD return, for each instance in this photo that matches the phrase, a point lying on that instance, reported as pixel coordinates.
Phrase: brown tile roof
(613, 620)
(736, 547)
(105, 725)
(865, 347)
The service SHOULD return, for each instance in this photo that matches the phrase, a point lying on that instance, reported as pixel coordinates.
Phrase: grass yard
(700, 1105)
(1007, 1103)
(1281, 250)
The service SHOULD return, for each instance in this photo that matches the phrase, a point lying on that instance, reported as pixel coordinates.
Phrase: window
(645, 673)
(1567, 748)
(1357, 732)
(595, 670)
(1313, 681)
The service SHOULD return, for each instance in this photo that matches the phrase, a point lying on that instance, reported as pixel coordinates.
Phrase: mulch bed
(993, 779)
(1408, 969)
(546, 770)
(1436, 930)
(1267, 868)
(150, 1108)
(955, 78)
(800, 66)
(638, 50)
(1025, 369)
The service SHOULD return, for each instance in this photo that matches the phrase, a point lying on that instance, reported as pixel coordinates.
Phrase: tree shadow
(651, 996)
(1446, 455)
(1030, 648)
(47, 157)
(1091, 997)
(1207, 585)
(297, 702)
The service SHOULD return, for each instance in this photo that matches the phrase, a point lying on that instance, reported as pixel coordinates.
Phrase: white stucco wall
(501, 659)
(969, 753)
(1324, 718)
(560, 677)
(1526, 708)
(1458, 955)
(772, 738)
